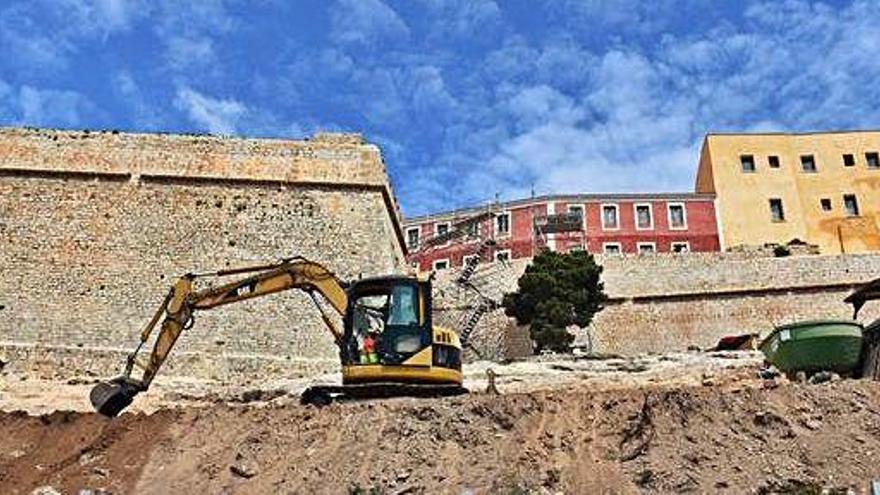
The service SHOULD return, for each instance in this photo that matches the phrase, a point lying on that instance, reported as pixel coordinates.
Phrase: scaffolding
(558, 223)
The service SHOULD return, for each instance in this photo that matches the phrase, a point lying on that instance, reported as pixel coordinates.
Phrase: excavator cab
(387, 310)
(396, 313)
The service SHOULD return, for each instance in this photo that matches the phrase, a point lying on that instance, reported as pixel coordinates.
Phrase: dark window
(502, 224)
(609, 217)
(773, 161)
(677, 217)
(612, 248)
(851, 204)
(441, 265)
(680, 247)
(442, 229)
(808, 163)
(849, 160)
(776, 212)
(826, 204)
(412, 238)
(747, 162)
(646, 248)
(579, 211)
(643, 217)
(873, 159)
(389, 318)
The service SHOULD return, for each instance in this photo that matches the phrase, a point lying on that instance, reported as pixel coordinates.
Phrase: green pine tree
(556, 291)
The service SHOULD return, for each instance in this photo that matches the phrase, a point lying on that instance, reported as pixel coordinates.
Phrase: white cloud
(117, 15)
(366, 22)
(189, 32)
(217, 116)
(44, 34)
(38, 107)
(538, 105)
(632, 118)
(462, 19)
(183, 52)
(143, 114)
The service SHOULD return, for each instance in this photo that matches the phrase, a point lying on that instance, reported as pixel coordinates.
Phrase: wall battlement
(325, 158)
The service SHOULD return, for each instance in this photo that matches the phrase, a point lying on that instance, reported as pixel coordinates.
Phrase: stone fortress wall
(94, 228)
(669, 302)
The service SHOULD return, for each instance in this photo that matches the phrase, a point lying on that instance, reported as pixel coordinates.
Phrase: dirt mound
(705, 439)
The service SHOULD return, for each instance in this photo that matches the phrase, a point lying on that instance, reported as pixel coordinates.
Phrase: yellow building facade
(821, 188)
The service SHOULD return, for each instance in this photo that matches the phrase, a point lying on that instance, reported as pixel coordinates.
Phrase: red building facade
(611, 224)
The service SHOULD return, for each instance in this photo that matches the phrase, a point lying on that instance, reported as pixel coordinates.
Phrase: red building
(599, 223)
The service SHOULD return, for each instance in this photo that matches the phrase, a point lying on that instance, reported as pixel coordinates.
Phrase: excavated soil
(736, 436)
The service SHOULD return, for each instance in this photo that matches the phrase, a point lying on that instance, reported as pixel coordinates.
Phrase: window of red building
(502, 224)
(644, 218)
(611, 248)
(677, 216)
(646, 247)
(412, 238)
(610, 217)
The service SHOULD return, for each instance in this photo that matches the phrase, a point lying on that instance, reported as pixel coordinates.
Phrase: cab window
(404, 307)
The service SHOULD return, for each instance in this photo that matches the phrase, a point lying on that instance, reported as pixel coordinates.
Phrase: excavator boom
(181, 302)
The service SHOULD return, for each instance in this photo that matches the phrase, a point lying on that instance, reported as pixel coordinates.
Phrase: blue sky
(467, 98)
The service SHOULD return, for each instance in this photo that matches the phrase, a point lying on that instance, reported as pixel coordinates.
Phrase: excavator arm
(182, 301)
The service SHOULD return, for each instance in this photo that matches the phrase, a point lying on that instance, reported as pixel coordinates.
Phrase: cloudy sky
(468, 99)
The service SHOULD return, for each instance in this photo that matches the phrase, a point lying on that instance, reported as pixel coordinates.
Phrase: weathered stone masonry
(668, 302)
(94, 227)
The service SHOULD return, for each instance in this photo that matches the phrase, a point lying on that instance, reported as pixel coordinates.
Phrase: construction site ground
(689, 422)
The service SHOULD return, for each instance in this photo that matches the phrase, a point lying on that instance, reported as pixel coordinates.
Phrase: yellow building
(822, 188)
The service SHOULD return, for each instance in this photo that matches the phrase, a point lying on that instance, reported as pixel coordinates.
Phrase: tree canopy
(555, 292)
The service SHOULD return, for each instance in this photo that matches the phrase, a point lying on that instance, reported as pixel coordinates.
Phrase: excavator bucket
(110, 398)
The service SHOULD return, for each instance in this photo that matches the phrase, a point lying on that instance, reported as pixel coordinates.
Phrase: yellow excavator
(387, 345)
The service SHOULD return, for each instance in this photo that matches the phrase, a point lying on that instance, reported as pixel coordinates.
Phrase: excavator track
(322, 395)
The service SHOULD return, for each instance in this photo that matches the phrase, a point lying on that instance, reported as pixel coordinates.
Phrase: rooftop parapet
(327, 158)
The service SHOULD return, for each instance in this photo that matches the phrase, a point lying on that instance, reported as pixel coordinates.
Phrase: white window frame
(617, 215)
(684, 215)
(437, 230)
(465, 258)
(606, 245)
(476, 231)
(583, 209)
(639, 248)
(441, 260)
(686, 244)
(418, 237)
(509, 224)
(636, 215)
(502, 251)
